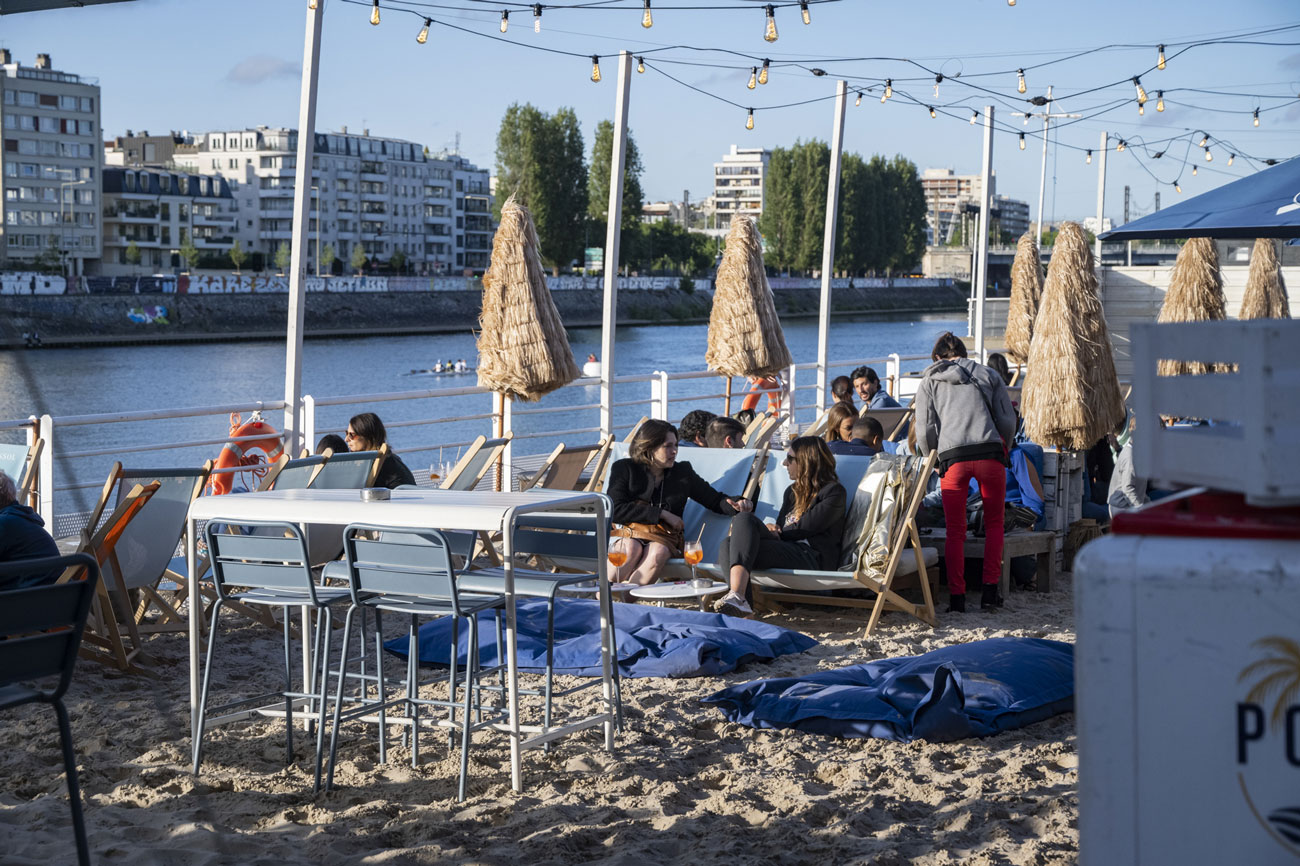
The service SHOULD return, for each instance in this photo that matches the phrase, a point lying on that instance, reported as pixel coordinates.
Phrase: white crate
(1251, 444)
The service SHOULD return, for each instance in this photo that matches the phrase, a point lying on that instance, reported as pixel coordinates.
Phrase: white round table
(590, 588)
(662, 592)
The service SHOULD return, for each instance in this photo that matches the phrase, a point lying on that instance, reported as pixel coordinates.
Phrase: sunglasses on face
(350, 436)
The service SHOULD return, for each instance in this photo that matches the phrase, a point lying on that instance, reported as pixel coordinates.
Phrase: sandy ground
(682, 786)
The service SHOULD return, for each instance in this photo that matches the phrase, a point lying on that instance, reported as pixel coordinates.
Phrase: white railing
(451, 414)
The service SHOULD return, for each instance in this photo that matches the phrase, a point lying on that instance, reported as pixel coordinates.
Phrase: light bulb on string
(1160, 57)
(1193, 171)
(749, 121)
(769, 30)
(1011, 2)
(1205, 139)
(889, 90)
(1141, 109)
(1141, 91)
(595, 68)
(932, 113)
(1020, 80)
(1177, 187)
(647, 20)
(803, 10)
(312, 4)
(1160, 100)
(537, 17)
(938, 79)
(1257, 117)
(753, 77)
(858, 102)
(1022, 141)
(374, 13)
(974, 117)
(1231, 158)
(1209, 157)
(1119, 148)
(1089, 159)
(640, 65)
(1026, 117)
(762, 73)
(424, 32)
(505, 20)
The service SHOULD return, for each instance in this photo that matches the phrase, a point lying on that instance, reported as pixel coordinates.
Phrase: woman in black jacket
(807, 532)
(366, 433)
(649, 490)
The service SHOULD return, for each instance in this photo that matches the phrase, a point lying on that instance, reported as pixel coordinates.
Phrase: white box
(1167, 631)
(1250, 447)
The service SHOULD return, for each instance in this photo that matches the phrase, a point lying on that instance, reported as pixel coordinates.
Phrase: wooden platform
(1020, 543)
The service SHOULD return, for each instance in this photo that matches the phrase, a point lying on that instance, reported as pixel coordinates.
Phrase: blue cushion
(969, 690)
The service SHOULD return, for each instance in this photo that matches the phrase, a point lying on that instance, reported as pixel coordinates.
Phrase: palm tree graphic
(1277, 673)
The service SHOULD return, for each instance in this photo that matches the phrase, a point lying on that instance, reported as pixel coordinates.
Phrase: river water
(64, 382)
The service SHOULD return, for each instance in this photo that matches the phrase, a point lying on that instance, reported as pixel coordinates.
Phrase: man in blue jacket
(22, 536)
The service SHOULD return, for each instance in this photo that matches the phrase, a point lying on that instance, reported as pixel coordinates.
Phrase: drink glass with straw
(617, 557)
(693, 554)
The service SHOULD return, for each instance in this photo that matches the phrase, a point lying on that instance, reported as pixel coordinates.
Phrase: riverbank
(76, 320)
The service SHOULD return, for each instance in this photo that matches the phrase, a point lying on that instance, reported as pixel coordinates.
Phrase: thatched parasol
(745, 336)
(1073, 397)
(1195, 295)
(1026, 294)
(1265, 292)
(523, 349)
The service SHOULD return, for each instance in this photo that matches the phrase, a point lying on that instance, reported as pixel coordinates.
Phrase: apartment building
(158, 211)
(953, 200)
(49, 165)
(738, 186)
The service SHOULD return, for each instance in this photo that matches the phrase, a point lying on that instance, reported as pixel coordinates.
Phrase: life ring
(235, 454)
(771, 385)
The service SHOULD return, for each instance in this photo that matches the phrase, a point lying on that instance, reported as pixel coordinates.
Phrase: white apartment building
(49, 165)
(158, 210)
(738, 185)
(952, 201)
(384, 195)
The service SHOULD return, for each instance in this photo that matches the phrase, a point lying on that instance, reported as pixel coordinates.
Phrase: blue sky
(208, 64)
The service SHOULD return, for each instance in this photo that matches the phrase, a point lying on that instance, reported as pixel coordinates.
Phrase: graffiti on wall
(151, 315)
(28, 283)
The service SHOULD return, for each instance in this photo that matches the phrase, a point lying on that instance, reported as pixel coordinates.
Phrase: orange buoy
(235, 454)
(772, 385)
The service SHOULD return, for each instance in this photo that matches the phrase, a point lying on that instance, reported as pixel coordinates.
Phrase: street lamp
(63, 226)
(316, 202)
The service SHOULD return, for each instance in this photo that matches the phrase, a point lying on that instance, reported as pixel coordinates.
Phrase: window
(68, 103)
(11, 169)
(26, 97)
(49, 194)
(25, 145)
(50, 124)
(49, 218)
(85, 196)
(9, 97)
(87, 104)
(27, 123)
(11, 217)
(11, 194)
(234, 163)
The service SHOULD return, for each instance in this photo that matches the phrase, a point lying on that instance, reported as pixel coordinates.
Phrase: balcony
(275, 235)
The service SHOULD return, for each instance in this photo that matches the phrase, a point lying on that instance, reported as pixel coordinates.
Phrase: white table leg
(196, 622)
(607, 660)
(512, 662)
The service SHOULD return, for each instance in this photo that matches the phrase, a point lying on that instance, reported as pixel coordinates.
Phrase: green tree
(327, 257)
(794, 214)
(398, 262)
(358, 258)
(237, 255)
(189, 252)
(907, 209)
(282, 257)
(132, 254)
(602, 154)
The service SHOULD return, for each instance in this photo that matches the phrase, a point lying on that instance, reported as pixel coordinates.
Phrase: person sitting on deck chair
(842, 389)
(870, 391)
(725, 432)
(333, 442)
(694, 427)
(23, 536)
(866, 439)
(366, 433)
(839, 423)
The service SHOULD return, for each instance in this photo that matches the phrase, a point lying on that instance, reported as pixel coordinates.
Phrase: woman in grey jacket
(963, 411)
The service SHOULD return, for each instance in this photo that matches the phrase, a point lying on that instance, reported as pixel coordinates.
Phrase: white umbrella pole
(1101, 196)
(614, 223)
(828, 248)
(298, 246)
(982, 240)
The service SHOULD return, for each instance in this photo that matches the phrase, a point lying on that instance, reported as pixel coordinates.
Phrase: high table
(421, 509)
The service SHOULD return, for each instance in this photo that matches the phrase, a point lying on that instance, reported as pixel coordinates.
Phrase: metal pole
(1042, 175)
(293, 440)
(982, 237)
(1101, 194)
(828, 243)
(614, 223)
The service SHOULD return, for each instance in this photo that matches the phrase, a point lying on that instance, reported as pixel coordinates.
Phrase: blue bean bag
(969, 690)
(651, 641)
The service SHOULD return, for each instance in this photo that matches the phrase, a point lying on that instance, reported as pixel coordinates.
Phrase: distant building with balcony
(1012, 216)
(158, 210)
(738, 186)
(49, 164)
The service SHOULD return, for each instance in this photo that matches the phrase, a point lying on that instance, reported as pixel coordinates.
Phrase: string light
(312, 4)
(1022, 141)
(769, 31)
(753, 77)
(1160, 100)
(1026, 117)
(1257, 117)
(1011, 2)
(640, 65)
(1177, 188)
(1141, 109)
(647, 20)
(975, 116)
(1205, 139)
(1120, 147)
(1158, 154)
(1231, 158)
(938, 79)
(1193, 171)
(1089, 159)
(749, 121)
(1020, 83)
(803, 10)
(858, 103)
(537, 17)
(505, 20)
(374, 13)
(1209, 157)
(595, 68)
(1160, 58)
(889, 90)
(1141, 92)
(424, 32)
(932, 114)
(762, 73)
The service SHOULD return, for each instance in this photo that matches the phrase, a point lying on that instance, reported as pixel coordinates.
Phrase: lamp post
(315, 200)
(63, 226)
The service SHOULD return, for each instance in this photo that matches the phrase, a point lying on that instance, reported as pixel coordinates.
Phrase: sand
(682, 786)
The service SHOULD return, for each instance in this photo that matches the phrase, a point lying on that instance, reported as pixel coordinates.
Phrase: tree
(132, 254)
(282, 257)
(237, 255)
(189, 252)
(327, 257)
(602, 154)
(358, 258)
(398, 262)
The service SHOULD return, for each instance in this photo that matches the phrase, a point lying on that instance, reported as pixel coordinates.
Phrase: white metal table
(422, 509)
(676, 590)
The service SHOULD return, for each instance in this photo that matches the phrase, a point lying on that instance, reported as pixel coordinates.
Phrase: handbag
(671, 538)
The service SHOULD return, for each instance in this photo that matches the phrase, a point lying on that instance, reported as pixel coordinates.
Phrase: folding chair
(631, 434)
(564, 466)
(469, 471)
(892, 421)
(40, 632)
(22, 463)
(762, 434)
(596, 480)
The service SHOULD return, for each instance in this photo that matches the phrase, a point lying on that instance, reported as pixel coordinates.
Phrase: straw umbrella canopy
(523, 349)
(745, 336)
(1195, 295)
(1026, 293)
(1073, 398)
(1265, 291)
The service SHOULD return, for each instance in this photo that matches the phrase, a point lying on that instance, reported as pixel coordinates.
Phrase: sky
(218, 64)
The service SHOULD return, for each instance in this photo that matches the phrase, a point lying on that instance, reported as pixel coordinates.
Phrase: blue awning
(1264, 205)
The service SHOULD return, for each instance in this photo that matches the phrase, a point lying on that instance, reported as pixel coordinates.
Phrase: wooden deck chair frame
(903, 535)
(756, 472)
(528, 482)
(635, 427)
(596, 481)
(381, 454)
(818, 427)
(892, 421)
(566, 470)
(27, 483)
(455, 480)
(763, 430)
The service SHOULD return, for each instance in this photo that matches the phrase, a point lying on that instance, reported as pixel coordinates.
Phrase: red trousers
(955, 486)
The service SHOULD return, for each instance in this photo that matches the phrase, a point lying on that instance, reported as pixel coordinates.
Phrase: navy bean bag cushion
(970, 690)
(652, 641)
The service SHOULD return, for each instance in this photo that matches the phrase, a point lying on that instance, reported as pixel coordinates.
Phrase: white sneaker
(733, 604)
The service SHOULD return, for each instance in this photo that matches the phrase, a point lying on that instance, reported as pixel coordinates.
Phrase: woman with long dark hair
(839, 422)
(648, 490)
(366, 433)
(807, 532)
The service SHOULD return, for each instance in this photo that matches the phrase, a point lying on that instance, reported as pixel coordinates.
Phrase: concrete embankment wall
(147, 318)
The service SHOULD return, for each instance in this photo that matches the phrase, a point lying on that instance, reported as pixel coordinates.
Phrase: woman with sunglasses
(366, 433)
(806, 533)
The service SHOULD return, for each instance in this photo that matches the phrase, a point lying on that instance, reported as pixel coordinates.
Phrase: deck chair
(892, 421)
(469, 471)
(818, 427)
(762, 430)
(40, 631)
(22, 463)
(635, 427)
(349, 470)
(564, 467)
(885, 529)
(596, 479)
